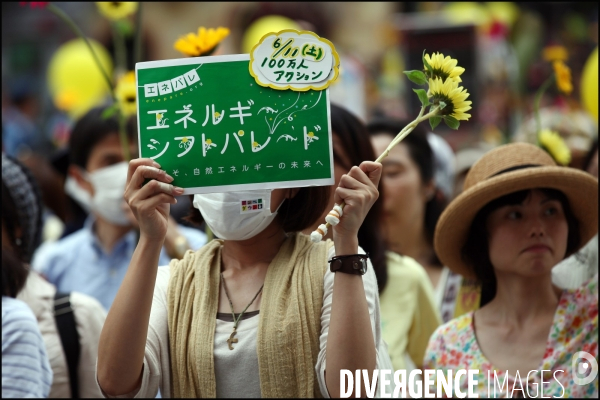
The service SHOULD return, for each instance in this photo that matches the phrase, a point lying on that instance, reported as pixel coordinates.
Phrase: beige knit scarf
(288, 329)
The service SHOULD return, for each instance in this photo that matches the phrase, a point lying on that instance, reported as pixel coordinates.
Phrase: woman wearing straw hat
(518, 216)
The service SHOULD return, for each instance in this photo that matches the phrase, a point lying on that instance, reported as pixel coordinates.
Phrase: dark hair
(12, 222)
(475, 252)
(92, 128)
(355, 139)
(14, 272)
(422, 155)
(590, 154)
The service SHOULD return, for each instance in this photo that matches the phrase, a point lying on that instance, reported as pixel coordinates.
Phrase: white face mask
(236, 215)
(79, 194)
(109, 188)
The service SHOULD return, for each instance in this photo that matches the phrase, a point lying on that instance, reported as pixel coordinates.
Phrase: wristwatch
(355, 264)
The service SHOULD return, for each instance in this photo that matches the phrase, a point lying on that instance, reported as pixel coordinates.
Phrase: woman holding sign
(259, 312)
(519, 215)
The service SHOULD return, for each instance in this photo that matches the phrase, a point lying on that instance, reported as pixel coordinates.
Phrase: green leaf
(110, 111)
(434, 121)
(417, 77)
(442, 105)
(426, 64)
(124, 26)
(422, 96)
(451, 122)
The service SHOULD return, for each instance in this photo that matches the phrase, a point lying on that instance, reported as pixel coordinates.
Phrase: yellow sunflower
(126, 92)
(554, 144)
(555, 53)
(115, 10)
(453, 95)
(444, 67)
(563, 77)
(204, 42)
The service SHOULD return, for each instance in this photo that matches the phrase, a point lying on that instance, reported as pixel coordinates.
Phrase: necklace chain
(236, 321)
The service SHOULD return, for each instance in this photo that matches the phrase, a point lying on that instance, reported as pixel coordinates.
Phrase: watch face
(363, 269)
(361, 266)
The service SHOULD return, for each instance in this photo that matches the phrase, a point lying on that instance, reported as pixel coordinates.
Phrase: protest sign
(208, 123)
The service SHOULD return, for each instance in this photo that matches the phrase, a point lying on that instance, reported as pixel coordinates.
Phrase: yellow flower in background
(126, 92)
(563, 77)
(115, 10)
(555, 53)
(204, 42)
(555, 146)
(444, 67)
(159, 116)
(184, 140)
(254, 144)
(311, 134)
(240, 133)
(453, 95)
(66, 100)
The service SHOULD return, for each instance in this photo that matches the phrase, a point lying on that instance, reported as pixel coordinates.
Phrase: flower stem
(123, 135)
(536, 105)
(120, 50)
(137, 40)
(407, 129)
(400, 136)
(66, 19)
(121, 68)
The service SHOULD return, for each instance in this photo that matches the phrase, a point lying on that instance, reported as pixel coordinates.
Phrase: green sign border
(238, 187)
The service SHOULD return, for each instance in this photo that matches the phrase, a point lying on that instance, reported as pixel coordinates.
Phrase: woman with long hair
(408, 312)
(412, 205)
(258, 312)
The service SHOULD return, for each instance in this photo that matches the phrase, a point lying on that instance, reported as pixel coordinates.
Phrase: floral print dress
(575, 328)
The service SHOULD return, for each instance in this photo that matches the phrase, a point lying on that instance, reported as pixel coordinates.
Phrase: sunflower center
(449, 109)
(443, 75)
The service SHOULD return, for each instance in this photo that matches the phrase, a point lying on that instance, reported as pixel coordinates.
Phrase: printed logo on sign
(585, 368)
(250, 206)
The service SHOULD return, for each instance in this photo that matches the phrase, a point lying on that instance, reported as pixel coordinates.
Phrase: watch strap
(355, 264)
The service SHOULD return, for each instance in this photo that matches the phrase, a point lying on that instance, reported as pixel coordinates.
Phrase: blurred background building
(499, 43)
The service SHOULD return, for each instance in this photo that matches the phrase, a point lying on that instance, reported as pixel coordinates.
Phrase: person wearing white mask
(260, 312)
(94, 259)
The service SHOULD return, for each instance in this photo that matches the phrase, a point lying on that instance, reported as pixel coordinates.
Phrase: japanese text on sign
(224, 132)
(294, 60)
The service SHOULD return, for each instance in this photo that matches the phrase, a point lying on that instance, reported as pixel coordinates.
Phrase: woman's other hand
(150, 202)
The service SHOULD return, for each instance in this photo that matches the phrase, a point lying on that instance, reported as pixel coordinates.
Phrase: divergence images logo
(585, 368)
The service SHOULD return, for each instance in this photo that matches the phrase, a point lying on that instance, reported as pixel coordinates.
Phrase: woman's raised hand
(150, 202)
(358, 189)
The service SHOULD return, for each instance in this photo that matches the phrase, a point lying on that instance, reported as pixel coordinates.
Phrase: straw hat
(507, 169)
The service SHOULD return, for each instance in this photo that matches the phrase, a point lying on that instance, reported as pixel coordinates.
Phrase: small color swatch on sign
(255, 205)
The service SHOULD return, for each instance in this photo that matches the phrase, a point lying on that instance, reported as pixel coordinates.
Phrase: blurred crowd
(68, 236)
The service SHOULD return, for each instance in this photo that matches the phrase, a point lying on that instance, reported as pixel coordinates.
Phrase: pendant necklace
(231, 339)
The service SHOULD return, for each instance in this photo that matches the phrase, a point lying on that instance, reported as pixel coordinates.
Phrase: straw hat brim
(455, 222)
